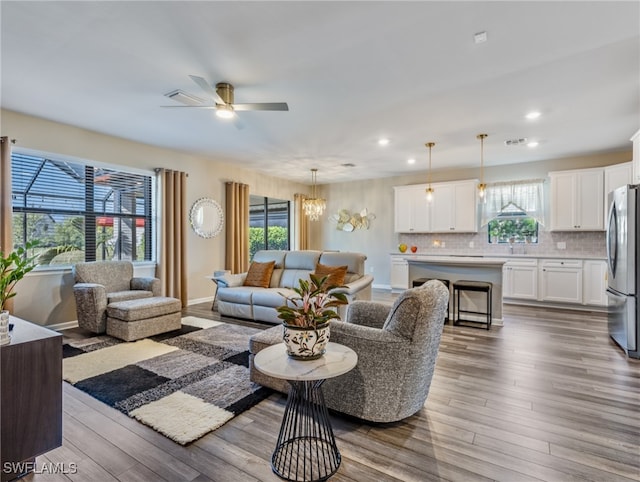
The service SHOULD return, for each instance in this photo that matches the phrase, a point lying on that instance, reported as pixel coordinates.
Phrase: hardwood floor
(548, 396)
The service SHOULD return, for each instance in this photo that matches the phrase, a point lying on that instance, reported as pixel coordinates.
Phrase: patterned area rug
(183, 384)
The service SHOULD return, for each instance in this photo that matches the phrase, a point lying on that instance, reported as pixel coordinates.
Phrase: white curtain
(527, 196)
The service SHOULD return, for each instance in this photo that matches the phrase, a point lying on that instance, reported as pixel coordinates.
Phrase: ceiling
(351, 72)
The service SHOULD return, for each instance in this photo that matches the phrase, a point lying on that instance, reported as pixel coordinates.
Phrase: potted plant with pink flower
(306, 317)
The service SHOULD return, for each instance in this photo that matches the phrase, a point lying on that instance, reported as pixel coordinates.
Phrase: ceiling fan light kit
(224, 111)
(221, 99)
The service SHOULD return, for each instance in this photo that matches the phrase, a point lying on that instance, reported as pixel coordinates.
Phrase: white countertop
(470, 257)
(462, 260)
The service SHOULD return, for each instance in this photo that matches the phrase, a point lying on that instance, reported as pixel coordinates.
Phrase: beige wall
(47, 298)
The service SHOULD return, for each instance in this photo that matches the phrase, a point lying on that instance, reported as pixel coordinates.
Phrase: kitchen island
(409, 267)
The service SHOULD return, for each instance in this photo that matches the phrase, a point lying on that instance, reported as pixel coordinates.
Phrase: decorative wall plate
(206, 218)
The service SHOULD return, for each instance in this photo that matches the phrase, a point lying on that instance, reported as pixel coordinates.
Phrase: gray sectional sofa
(259, 304)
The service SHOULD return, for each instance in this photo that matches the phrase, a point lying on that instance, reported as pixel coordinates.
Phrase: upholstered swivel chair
(397, 346)
(99, 283)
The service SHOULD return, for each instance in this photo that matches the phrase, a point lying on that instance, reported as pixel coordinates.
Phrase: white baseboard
(208, 299)
(67, 325)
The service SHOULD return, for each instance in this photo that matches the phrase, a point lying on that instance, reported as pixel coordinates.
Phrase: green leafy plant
(13, 267)
(312, 307)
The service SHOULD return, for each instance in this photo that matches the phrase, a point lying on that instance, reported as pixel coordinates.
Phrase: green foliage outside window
(277, 238)
(513, 230)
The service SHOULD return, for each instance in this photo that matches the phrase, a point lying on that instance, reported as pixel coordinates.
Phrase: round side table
(306, 449)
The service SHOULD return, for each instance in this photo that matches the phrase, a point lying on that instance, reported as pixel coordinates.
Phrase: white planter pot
(306, 343)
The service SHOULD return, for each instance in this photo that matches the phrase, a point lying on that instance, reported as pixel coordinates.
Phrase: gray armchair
(99, 283)
(397, 346)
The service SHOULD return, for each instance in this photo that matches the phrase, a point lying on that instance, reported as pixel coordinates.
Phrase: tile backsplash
(588, 244)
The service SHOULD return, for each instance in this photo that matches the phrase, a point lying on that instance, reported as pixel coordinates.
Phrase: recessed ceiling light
(533, 115)
(383, 141)
(411, 161)
(532, 144)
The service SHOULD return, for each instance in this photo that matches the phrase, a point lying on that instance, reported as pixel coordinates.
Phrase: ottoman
(134, 319)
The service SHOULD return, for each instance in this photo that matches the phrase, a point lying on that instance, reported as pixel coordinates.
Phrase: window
(268, 224)
(513, 226)
(80, 212)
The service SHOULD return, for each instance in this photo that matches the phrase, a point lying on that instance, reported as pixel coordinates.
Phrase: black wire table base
(306, 449)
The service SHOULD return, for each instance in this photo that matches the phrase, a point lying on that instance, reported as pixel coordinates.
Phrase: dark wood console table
(30, 397)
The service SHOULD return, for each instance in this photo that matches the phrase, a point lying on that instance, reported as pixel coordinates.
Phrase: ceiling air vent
(515, 142)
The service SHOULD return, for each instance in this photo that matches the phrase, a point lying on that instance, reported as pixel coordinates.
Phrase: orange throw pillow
(259, 274)
(336, 274)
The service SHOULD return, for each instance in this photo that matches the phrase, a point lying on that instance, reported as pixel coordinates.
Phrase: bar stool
(477, 286)
(420, 281)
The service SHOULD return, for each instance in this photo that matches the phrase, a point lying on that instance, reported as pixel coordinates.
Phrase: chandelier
(482, 187)
(314, 206)
(429, 189)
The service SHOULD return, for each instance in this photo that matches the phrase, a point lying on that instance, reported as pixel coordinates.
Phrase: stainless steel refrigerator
(622, 257)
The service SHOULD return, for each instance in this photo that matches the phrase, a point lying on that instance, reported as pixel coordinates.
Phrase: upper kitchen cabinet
(614, 177)
(636, 157)
(412, 211)
(576, 200)
(454, 207)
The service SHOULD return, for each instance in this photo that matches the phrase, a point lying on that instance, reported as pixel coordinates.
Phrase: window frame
(266, 201)
(90, 216)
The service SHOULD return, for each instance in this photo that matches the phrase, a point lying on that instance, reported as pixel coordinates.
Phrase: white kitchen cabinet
(595, 282)
(576, 200)
(520, 279)
(636, 157)
(614, 177)
(412, 211)
(454, 207)
(399, 273)
(561, 280)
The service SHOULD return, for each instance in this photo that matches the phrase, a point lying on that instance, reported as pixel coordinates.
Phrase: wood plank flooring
(548, 396)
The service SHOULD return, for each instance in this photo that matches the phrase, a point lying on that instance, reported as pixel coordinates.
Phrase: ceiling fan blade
(191, 106)
(262, 106)
(204, 85)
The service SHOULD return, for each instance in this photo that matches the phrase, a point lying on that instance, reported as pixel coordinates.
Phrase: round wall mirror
(206, 218)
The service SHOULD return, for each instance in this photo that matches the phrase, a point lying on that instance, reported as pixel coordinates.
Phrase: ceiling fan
(221, 99)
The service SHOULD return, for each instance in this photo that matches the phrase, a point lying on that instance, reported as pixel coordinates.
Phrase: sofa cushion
(266, 255)
(335, 274)
(240, 294)
(116, 296)
(272, 297)
(302, 260)
(354, 261)
(259, 274)
(290, 277)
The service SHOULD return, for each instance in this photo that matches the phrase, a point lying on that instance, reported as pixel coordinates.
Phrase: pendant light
(482, 187)
(429, 189)
(314, 206)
